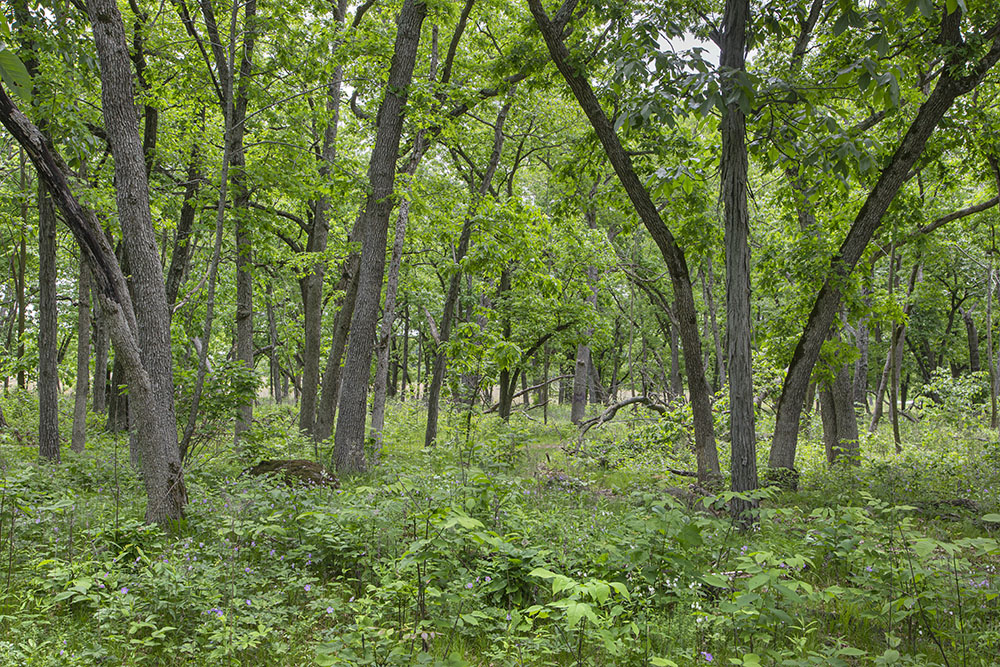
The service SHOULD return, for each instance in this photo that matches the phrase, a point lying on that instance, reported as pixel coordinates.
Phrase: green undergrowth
(500, 548)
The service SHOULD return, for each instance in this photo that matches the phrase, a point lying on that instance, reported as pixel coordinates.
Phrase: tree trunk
(150, 364)
(241, 200)
(82, 361)
(451, 298)
(734, 195)
(972, 335)
(312, 292)
(181, 254)
(957, 78)
(48, 362)
(349, 451)
(707, 455)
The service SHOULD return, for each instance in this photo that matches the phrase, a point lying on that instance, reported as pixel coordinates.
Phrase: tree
(964, 69)
(349, 452)
(552, 30)
(743, 436)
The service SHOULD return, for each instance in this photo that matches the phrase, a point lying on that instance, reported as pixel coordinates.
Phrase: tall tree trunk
(451, 298)
(312, 292)
(22, 262)
(48, 362)
(182, 240)
(707, 455)
(152, 387)
(958, 77)
(734, 195)
(241, 200)
(349, 452)
(82, 361)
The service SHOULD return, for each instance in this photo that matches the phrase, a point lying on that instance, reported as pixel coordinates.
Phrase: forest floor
(499, 548)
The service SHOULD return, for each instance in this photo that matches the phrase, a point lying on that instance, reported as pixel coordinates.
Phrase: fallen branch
(610, 412)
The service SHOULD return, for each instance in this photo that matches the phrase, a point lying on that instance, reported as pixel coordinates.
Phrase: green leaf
(924, 547)
(716, 580)
(992, 518)
(15, 74)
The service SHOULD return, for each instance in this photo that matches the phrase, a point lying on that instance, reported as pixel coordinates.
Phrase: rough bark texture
(152, 396)
(82, 361)
(349, 454)
(708, 461)
(451, 298)
(312, 284)
(182, 252)
(164, 487)
(950, 86)
(48, 334)
(737, 224)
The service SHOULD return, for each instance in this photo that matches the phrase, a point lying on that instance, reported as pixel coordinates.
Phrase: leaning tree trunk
(349, 452)
(707, 455)
(451, 298)
(958, 77)
(82, 361)
(48, 333)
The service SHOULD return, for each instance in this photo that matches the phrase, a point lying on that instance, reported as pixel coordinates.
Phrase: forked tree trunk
(151, 383)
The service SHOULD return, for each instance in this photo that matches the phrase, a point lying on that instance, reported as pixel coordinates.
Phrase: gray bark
(349, 453)
(707, 455)
(957, 78)
(48, 334)
(82, 361)
(151, 382)
(737, 222)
